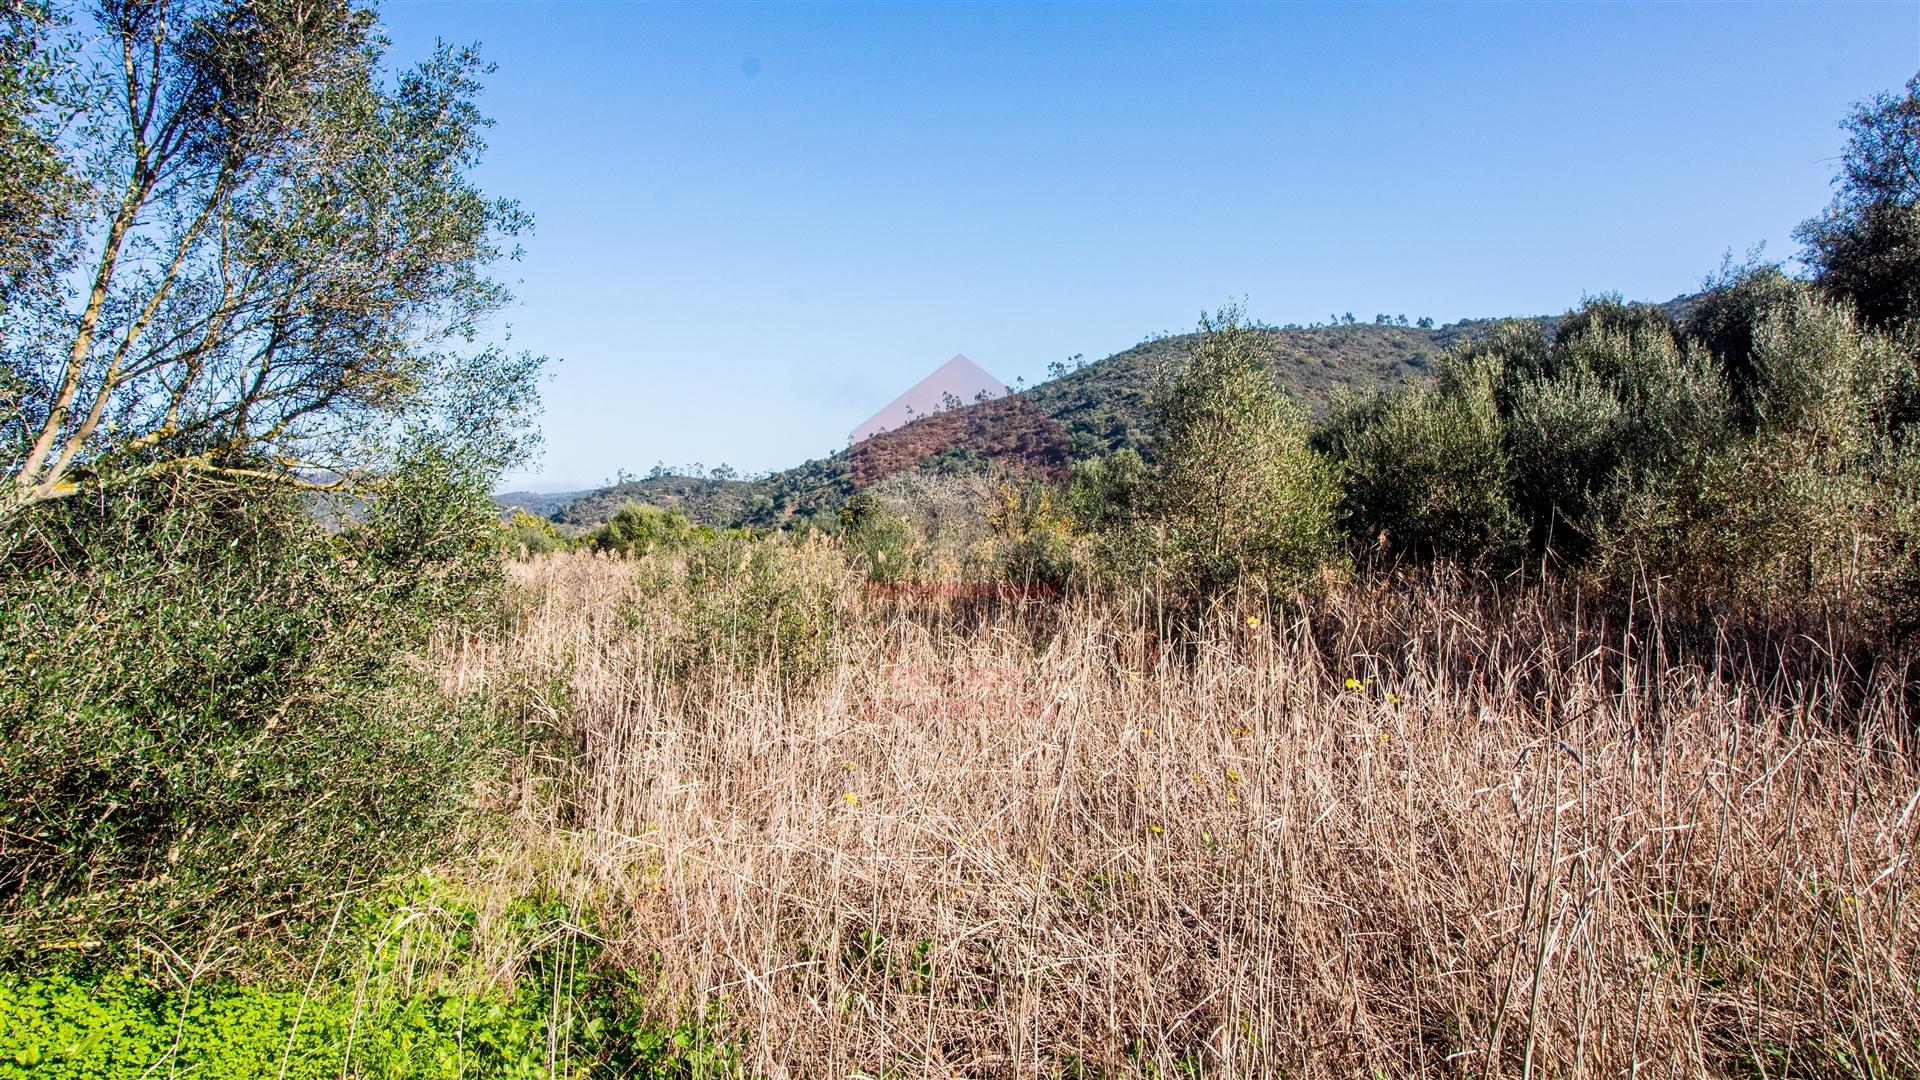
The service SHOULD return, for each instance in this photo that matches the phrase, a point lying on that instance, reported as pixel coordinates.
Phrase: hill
(539, 503)
(707, 500)
(1098, 407)
(1106, 405)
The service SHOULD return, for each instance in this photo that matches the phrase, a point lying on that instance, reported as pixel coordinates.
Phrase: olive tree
(1866, 246)
(1238, 496)
(38, 191)
(283, 259)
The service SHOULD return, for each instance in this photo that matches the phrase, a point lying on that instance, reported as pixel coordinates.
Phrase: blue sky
(757, 223)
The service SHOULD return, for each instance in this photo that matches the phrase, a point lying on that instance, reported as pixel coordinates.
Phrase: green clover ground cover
(411, 1004)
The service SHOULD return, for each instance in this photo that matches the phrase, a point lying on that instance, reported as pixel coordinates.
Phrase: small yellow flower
(1154, 829)
(1240, 732)
(1133, 676)
(1231, 797)
(1146, 731)
(1253, 622)
(851, 799)
(1196, 778)
(1384, 737)
(1393, 698)
(1353, 684)
(1233, 777)
(848, 767)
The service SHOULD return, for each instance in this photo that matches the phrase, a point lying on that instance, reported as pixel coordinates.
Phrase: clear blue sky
(758, 223)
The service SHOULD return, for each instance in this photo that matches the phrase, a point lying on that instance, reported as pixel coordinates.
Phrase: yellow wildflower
(1253, 621)
(851, 799)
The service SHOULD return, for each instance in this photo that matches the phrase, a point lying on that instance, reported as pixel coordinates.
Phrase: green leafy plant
(211, 725)
(1238, 497)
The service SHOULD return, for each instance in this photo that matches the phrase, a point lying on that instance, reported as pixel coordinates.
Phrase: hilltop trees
(285, 252)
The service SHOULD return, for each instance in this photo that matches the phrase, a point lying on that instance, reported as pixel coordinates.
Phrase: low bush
(526, 535)
(878, 538)
(210, 723)
(638, 529)
(772, 605)
(1034, 537)
(1427, 473)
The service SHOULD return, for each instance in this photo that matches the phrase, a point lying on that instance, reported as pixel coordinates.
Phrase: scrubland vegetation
(1548, 716)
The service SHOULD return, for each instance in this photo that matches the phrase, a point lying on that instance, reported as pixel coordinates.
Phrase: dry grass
(1429, 832)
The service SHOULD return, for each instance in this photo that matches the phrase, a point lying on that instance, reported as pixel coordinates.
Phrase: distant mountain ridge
(538, 503)
(1099, 407)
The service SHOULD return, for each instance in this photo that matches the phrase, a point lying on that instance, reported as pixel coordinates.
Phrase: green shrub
(877, 537)
(1035, 537)
(1620, 396)
(1758, 525)
(524, 534)
(207, 723)
(1787, 503)
(774, 605)
(640, 529)
(1107, 491)
(1725, 320)
(1238, 498)
(1748, 462)
(1427, 474)
(1111, 501)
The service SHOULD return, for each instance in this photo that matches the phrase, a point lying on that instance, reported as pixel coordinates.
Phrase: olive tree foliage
(281, 259)
(1866, 246)
(1237, 498)
(38, 191)
(1427, 472)
(1755, 456)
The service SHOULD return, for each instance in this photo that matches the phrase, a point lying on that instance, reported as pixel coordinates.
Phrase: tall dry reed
(1422, 829)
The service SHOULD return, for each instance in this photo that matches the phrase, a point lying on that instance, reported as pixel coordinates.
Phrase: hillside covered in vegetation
(1100, 406)
(1537, 698)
